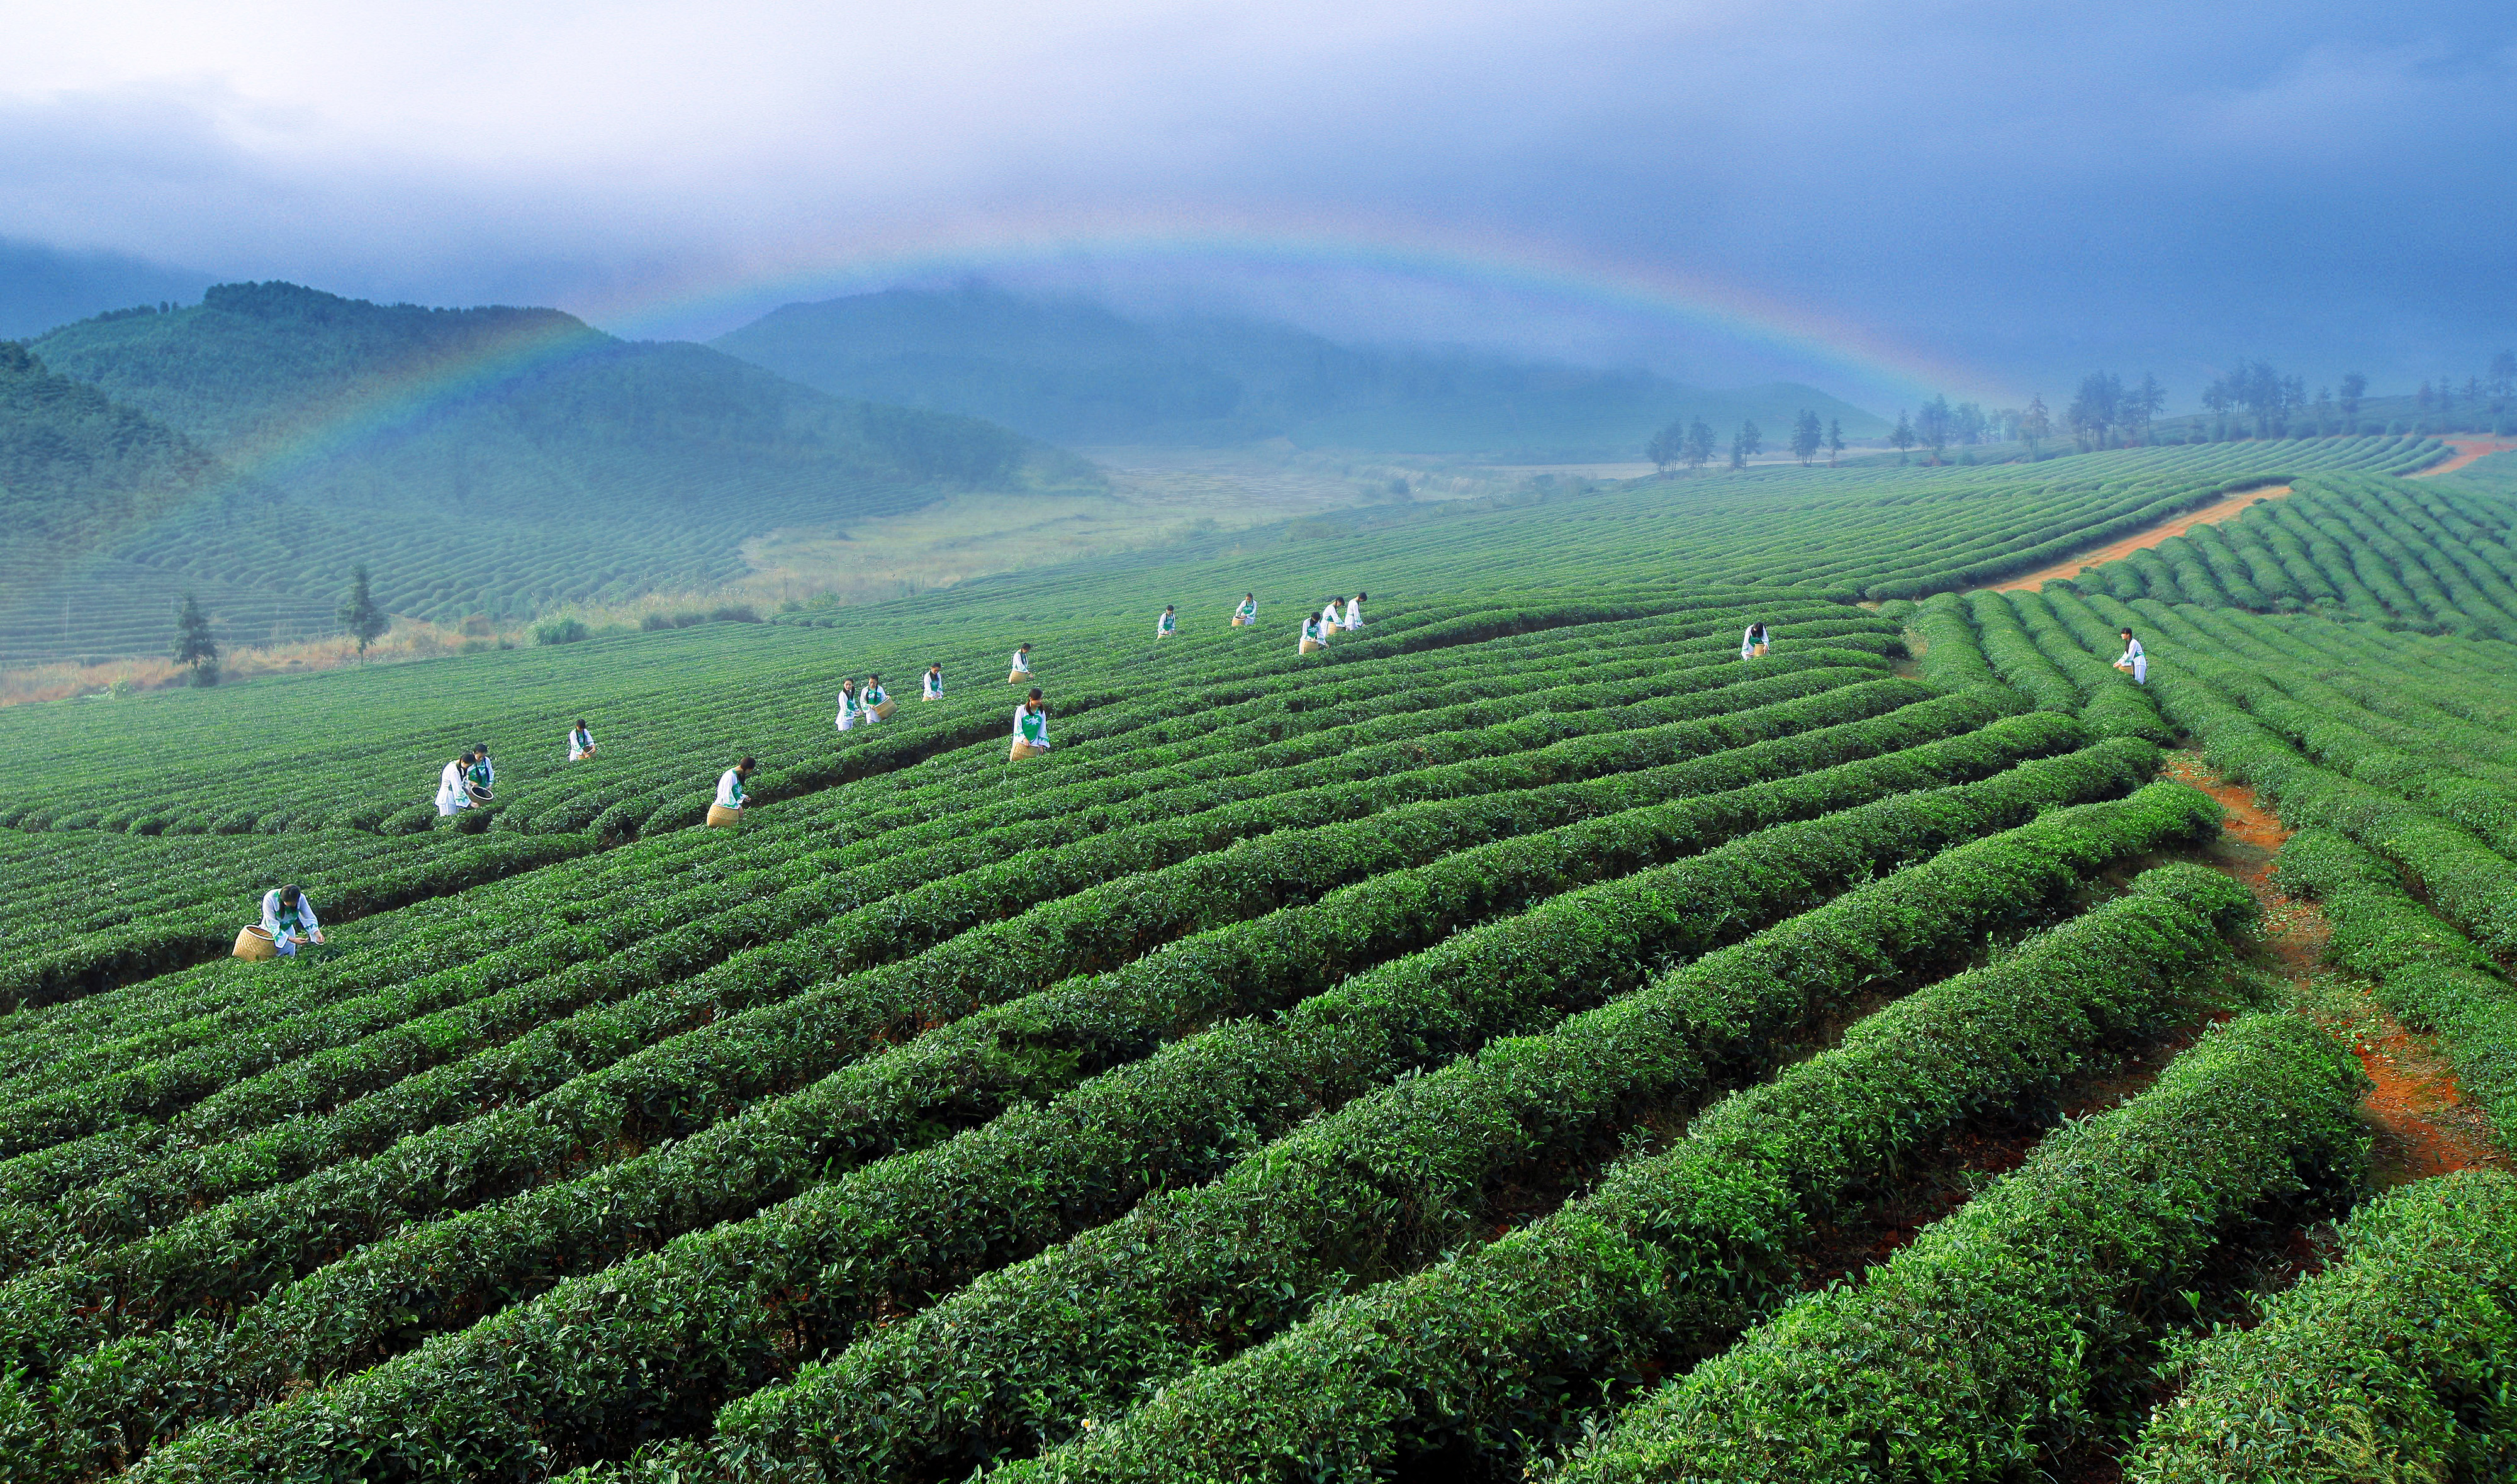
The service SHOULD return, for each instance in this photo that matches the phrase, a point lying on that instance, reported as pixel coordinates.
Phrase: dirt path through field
(2467, 449)
(2424, 1127)
(2174, 526)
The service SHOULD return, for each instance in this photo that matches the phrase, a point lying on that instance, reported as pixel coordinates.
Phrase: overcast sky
(1993, 197)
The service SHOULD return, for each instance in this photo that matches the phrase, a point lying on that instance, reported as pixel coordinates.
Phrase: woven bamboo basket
(255, 943)
(722, 818)
(882, 713)
(1022, 750)
(1238, 621)
(1309, 645)
(1017, 677)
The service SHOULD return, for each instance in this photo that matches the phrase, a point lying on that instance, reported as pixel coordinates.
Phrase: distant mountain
(1075, 372)
(43, 287)
(79, 476)
(491, 461)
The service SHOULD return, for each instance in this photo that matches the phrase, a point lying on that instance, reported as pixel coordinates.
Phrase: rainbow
(1535, 271)
(1484, 262)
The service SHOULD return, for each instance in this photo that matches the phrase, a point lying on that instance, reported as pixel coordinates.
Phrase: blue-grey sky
(1872, 195)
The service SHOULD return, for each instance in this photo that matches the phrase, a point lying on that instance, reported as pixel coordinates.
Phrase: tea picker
(580, 741)
(1314, 636)
(934, 683)
(1022, 665)
(287, 926)
(1168, 623)
(2134, 658)
(1248, 612)
(875, 699)
(479, 778)
(726, 812)
(1030, 728)
(1752, 642)
(450, 784)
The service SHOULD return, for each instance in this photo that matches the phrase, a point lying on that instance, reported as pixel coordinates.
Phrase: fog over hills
(1073, 371)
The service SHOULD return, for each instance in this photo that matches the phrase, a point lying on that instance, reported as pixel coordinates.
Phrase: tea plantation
(1528, 1038)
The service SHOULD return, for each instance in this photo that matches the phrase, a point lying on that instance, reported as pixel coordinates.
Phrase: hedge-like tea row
(954, 1075)
(1378, 1189)
(1951, 656)
(1502, 1352)
(2110, 702)
(98, 961)
(2021, 665)
(2397, 1361)
(2021, 1320)
(721, 1311)
(1267, 876)
(2426, 972)
(676, 938)
(229, 1250)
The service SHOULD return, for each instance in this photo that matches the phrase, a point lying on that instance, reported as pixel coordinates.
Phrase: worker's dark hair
(1035, 692)
(2127, 633)
(745, 763)
(580, 723)
(288, 894)
(873, 679)
(1026, 644)
(1360, 595)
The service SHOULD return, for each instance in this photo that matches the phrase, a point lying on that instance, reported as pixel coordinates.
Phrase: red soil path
(2173, 525)
(2467, 449)
(2423, 1126)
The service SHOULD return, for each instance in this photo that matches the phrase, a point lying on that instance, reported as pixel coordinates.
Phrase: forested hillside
(1076, 373)
(489, 461)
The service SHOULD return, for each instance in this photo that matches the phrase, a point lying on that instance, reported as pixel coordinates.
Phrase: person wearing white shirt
(1314, 635)
(1248, 612)
(2133, 658)
(1031, 726)
(1752, 643)
(488, 772)
(847, 704)
(1329, 618)
(934, 683)
(1022, 665)
(450, 785)
(289, 919)
(580, 741)
(729, 786)
(1354, 611)
(1167, 622)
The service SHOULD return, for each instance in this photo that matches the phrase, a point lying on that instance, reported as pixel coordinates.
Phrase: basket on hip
(722, 818)
(255, 943)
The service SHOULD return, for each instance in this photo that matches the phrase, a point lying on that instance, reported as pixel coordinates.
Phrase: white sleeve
(306, 911)
(270, 911)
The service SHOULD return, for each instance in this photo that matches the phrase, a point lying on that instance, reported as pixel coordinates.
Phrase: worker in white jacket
(1248, 612)
(933, 685)
(1329, 618)
(289, 919)
(1752, 643)
(1022, 665)
(1031, 725)
(2133, 658)
(1354, 611)
(847, 704)
(450, 785)
(729, 785)
(580, 741)
(1169, 622)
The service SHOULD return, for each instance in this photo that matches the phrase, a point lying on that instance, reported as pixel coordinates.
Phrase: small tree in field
(1745, 444)
(1902, 438)
(1834, 439)
(1667, 446)
(2354, 386)
(2036, 425)
(1698, 449)
(1805, 437)
(194, 644)
(1932, 425)
(359, 614)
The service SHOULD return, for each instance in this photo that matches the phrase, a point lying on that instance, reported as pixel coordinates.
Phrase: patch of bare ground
(2142, 540)
(2467, 449)
(2422, 1124)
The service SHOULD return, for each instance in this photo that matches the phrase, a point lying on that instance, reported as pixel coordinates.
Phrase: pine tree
(1834, 439)
(194, 644)
(2036, 426)
(1904, 438)
(359, 614)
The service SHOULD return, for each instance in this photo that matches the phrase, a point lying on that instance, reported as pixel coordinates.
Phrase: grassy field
(1526, 1037)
